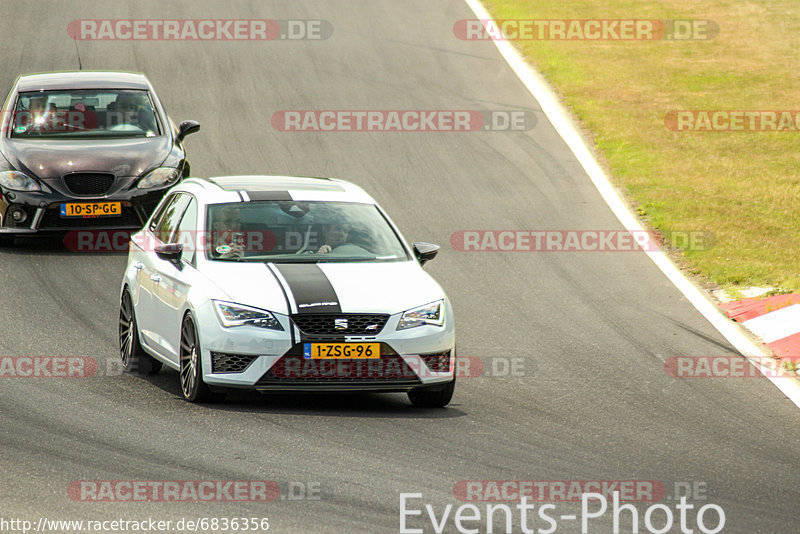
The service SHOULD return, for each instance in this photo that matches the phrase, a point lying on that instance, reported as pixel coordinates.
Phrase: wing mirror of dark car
(425, 252)
(186, 128)
(171, 253)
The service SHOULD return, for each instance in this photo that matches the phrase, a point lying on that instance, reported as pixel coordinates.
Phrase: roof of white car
(256, 187)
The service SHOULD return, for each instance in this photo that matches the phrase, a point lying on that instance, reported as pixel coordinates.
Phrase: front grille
(52, 220)
(230, 363)
(437, 363)
(296, 370)
(89, 184)
(325, 324)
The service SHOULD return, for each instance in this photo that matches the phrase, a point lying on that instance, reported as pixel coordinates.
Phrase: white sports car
(279, 283)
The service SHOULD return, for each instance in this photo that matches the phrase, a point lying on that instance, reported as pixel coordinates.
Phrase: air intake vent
(230, 363)
(343, 324)
(85, 184)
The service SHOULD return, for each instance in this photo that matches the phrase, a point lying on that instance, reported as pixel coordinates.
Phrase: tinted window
(291, 231)
(85, 113)
(168, 222)
(159, 213)
(187, 232)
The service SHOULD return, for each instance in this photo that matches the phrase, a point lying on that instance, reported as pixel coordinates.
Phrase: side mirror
(171, 253)
(186, 128)
(425, 252)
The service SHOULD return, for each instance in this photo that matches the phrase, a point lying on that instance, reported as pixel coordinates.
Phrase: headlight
(18, 181)
(161, 177)
(231, 314)
(432, 314)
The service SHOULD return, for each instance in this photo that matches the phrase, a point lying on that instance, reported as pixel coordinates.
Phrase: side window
(159, 214)
(187, 232)
(172, 215)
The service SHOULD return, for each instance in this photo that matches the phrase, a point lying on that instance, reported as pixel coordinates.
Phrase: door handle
(138, 265)
(155, 278)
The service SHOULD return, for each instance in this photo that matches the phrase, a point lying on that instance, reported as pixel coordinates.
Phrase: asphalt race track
(589, 333)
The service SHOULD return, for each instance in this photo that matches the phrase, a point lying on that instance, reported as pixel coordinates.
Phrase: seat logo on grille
(340, 324)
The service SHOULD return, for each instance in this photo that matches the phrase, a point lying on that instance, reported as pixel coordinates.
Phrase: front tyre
(192, 385)
(134, 359)
(432, 398)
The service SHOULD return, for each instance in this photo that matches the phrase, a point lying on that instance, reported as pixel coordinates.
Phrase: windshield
(85, 113)
(292, 232)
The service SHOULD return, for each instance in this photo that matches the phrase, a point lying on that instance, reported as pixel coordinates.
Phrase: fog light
(17, 214)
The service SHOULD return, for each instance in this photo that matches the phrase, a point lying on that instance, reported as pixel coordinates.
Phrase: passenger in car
(82, 117)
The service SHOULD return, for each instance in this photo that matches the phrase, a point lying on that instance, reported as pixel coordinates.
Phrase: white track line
(560, 118)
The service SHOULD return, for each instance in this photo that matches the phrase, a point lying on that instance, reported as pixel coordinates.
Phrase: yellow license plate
(91, 209)
(336, 351)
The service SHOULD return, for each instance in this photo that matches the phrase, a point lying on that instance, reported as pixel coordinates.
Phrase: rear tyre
(134, 359)
(192, 385)
(432, 398)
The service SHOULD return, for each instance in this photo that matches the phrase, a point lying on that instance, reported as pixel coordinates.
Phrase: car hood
(354, 287)
(53, 158)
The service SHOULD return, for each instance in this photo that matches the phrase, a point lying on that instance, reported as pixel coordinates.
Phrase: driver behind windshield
(333, 235)
(226, 235)
(134, 109)
(37, 116)
(37, 106)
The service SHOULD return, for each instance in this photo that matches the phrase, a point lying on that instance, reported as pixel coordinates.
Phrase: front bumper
(43, 211)
(264, 360)
(390, 372)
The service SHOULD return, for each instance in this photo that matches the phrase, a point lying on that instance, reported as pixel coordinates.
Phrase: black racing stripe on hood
(270, 268)
(312, 291)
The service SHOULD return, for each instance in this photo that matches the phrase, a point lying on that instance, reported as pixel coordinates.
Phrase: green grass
(744, 187)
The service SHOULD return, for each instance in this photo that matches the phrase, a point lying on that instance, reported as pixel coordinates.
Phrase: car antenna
(78, 52)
